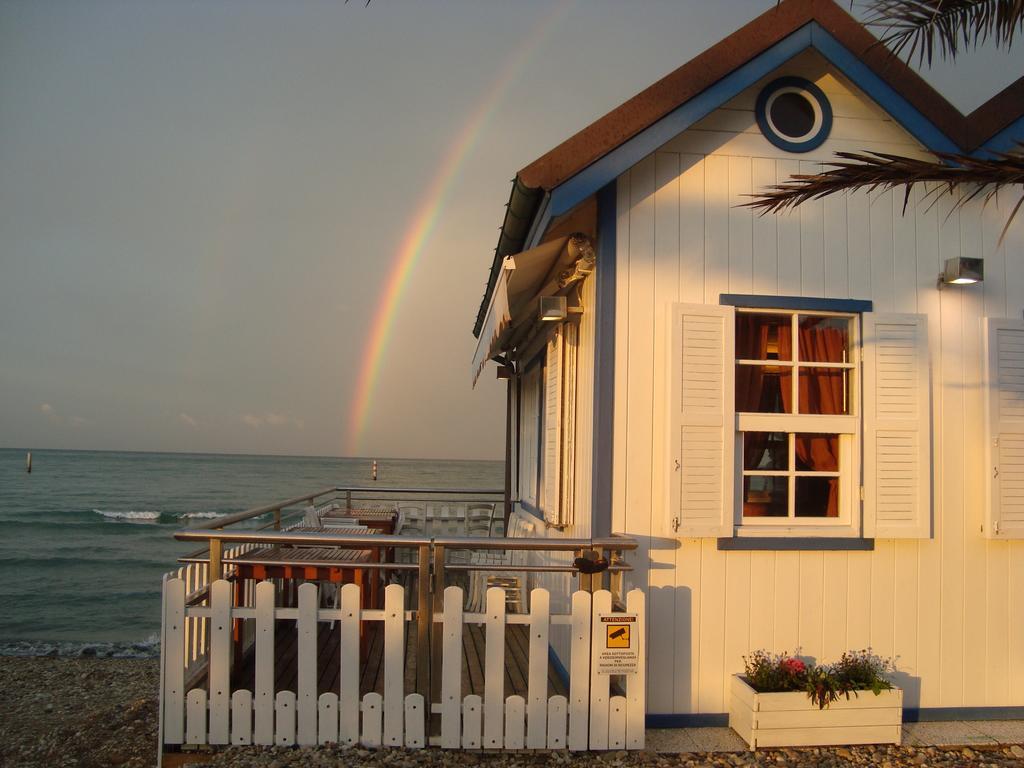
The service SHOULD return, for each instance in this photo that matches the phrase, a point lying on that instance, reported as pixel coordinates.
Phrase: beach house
(812, 423)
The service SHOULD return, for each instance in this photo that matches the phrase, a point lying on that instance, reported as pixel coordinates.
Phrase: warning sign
(617, 645)
(617, 635)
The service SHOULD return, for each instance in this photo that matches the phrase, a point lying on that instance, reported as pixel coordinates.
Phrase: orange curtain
(822, 393)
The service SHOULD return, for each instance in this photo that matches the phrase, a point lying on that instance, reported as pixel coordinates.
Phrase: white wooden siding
(950, 608)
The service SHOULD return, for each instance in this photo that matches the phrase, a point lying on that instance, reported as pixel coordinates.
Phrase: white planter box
(793, 720)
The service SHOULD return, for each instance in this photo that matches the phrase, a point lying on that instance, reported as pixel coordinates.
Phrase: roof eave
(523, 204)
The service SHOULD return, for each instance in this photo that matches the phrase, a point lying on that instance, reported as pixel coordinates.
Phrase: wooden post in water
(28, 462)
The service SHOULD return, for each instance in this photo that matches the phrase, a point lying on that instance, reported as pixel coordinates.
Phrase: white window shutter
(552, 495)
(702, 420)
(1004, 418)
(897, 427)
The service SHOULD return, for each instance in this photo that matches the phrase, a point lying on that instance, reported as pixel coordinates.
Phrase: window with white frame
(782, 421)
(797, 391)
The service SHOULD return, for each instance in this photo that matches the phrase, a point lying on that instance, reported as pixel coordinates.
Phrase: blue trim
(527, 508)
(806, 303)
(947, 714)
(560, 670)
(780, 140)
(910, 715)
(883, 94)
(687, 721)
(1007, 139)
(604, 364)
(794, 544)
(606, 169)
(626, 155)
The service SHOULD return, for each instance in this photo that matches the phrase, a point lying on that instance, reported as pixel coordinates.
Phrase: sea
(86, 537)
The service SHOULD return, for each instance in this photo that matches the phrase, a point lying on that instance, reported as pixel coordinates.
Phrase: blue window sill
(790, 544)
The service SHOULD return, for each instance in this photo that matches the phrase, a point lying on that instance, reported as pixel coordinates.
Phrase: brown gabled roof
(678, 87)
(967, 132)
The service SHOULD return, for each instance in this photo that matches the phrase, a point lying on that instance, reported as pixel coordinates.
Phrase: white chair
(514, 583)
(479, 518)
(311, 517)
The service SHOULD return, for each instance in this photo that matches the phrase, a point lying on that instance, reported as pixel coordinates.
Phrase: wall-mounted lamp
(962, 270)
(553, 309)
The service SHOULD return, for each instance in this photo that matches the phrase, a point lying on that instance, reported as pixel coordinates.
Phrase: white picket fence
(590, 718)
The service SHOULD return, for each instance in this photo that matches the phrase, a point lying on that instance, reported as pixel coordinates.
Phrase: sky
(265, 226)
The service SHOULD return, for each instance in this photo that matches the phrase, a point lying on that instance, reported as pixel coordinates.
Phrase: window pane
(817, 497)
(825, 390)
(825, 339)
(764, 388)
(763, 337)
(817, 453)
(765, 496)
(765, 450)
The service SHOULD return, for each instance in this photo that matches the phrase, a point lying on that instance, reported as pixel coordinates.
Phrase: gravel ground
(78, 712)
(103, 712)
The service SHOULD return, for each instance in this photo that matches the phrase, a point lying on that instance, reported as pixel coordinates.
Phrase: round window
(794, 114)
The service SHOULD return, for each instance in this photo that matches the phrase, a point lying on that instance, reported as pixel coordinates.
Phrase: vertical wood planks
(327, 718)
(666, 271)
(172, 660)
(306, 702)
(929, 566)
(494, 668)
(515, 714)
(579, 672)
(241, 717)
(195, 706)
(537, 691)
(394, 664)
(451, 668)
(599, 684)
(348, 666)
(636, 686)
(264, 700)
(617, 722)
(373, 710)
(220, 661)
(472, 708)
(284, 707)
(558, 721)
(415, 721)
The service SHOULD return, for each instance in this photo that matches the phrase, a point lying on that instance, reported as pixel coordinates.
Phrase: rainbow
(424, 222)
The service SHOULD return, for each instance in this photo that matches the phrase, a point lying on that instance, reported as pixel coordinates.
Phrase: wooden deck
(372, 678)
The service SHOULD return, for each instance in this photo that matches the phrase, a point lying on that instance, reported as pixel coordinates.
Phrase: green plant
(854, 671)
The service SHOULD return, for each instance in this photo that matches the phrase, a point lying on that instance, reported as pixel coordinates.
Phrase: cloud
(187, 420)
(51, 415)
(272, 419)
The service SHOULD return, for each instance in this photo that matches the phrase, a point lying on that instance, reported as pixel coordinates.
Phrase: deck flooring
(372, 672)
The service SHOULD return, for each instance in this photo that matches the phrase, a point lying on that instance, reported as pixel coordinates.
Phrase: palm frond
(921, 28)
(963, 175)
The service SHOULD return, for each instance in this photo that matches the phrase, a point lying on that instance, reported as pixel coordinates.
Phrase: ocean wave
(145, 516)
(118, 649)
(204, 515)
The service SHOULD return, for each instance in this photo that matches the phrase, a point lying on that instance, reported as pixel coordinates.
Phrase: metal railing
(431, 567)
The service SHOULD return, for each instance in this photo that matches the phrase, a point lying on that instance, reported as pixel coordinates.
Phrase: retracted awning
(523, 278)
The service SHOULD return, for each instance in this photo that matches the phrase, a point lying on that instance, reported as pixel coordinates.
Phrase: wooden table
(336, 565)
(381, 519)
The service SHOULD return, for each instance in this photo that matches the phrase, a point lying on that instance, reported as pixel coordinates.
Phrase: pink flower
(794, 666)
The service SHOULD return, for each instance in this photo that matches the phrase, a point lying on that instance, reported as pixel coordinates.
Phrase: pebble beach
(94, 712)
